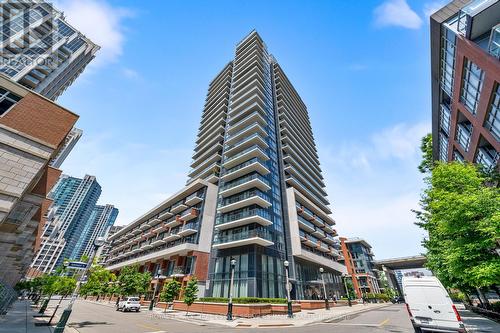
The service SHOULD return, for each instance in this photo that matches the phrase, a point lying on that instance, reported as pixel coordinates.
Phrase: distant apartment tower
(100, 221)
(255, 142)
(32, 132)
(360, 263)
(74, 201)
(104, 252)
(465, 58)
(39, 48)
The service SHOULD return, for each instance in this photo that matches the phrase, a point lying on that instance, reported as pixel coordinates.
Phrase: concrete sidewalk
(303, 318)
(19, 319)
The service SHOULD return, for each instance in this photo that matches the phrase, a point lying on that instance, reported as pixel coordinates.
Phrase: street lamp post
(346, 290)
(98, 242)
(159, 277)
(327, 305)
(230, 303)
(288, 299)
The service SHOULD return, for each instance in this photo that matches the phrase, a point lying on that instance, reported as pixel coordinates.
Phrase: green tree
(427, 163)
(170, 291)
(48, 288)
(191, 292)
(133, 283)
(460, 210)
(98, 281)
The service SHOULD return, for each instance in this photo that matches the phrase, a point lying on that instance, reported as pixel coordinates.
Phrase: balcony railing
(243, 196)
(241, 214)
(243, 180)
(221, 239)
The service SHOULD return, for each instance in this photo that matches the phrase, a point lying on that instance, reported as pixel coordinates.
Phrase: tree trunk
(467, 298)
(485, 299)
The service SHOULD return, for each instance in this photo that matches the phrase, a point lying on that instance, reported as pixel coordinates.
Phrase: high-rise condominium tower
(65, 234)
(465, 53)
(100, 221)
(255, 141)
(39, 48)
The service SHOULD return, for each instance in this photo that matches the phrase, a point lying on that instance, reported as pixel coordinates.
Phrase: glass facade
(471, 85)
(464, 132)
(445, 118)
(448, 46)
(443, 147)
(493, 120)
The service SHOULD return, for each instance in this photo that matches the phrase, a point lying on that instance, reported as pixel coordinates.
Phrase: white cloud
(397, 13)
(374, 185)
(432, 7)
(130, 73)
(101, 22)
(401, 141)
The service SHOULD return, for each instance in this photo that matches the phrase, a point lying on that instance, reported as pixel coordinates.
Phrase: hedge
(244, 300)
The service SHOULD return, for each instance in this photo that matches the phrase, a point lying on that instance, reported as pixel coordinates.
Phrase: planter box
(313, 304)
(239, 310)
(283, 308)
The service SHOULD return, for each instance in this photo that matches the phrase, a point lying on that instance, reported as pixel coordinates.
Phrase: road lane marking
(147, 326)
(384, 322)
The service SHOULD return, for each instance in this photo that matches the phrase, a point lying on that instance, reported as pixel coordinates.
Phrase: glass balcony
(487, 157)
(188, 229)
(305, 224)
(248, 237)
(246, 154)
(194, 199)
(178, 207)
(247, 198)
(494, 44)
(253, 140)
(245, 183)
(253, 128)
(173, 222)
(254, 164)
(165, 215)
(243, 217)
(464, 133)
(189, 214)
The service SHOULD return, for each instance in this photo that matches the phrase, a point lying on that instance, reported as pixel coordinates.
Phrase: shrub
(244, 300)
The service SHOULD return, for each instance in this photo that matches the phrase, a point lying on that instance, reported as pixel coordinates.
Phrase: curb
(330, 320)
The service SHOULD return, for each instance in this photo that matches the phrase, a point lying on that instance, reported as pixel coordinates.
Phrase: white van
(429, 306)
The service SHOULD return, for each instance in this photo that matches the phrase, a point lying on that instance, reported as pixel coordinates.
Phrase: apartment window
(471, 85)
(443, 147)
(445, 119)
(464, 132)
(493, 121)
(7, 100)
(487, 156)
(457, 156)
(448, 42)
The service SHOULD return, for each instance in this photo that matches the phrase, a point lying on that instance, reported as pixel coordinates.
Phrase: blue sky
(361, 67)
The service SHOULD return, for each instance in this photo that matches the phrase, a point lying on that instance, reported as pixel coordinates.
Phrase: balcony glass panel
(493, 121)
(471, 85)
(494, 44)
(243, 213)
(243, 180)
(464, 132)
(221, 238)
(243, 196)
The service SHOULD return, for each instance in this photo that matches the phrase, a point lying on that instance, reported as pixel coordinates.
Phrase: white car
(129, 304)
(430, 307)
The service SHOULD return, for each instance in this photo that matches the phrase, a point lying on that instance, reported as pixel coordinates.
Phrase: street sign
(77, 265)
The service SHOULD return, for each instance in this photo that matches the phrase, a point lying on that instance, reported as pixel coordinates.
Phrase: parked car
(129, 304)
(429, 306)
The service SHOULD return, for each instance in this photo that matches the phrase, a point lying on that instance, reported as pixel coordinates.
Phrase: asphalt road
(95, 318)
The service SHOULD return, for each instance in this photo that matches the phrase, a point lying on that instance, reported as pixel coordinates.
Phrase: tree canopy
(131, 282)
(460, 210)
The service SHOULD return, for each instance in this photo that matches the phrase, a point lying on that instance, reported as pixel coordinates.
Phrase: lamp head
(286, 263)
(321, 270)
(99, 241)
(233, 262)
